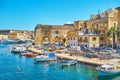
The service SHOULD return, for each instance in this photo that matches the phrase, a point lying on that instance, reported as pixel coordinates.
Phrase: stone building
(118, 39)
(4, 34)
(12, 35)
(45, 34)
(104, 21)
(89, 40)
(100, 23)
(25, 35)
(72, 38)
(68, 33)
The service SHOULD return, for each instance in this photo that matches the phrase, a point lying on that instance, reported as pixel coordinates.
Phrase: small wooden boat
(30, 55)
(69, 62)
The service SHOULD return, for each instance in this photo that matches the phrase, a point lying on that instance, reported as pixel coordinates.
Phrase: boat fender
(77, 70)
(54, 68)
(18, 68)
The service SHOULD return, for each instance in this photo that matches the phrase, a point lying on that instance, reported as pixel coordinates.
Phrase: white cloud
(68, 22)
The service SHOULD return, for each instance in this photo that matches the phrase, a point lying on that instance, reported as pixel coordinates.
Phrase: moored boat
(108, 69)
(69, 62)
(30, 55)
(18, 49)
(13, 41)
(48, 56)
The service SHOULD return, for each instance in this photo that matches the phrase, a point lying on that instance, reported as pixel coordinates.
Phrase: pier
(81, 59)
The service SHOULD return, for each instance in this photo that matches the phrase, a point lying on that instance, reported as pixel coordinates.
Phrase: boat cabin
(107, 67)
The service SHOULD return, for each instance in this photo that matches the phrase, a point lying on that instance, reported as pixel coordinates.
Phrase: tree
(112, 33)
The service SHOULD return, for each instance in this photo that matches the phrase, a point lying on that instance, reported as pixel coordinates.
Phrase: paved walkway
(94, 61)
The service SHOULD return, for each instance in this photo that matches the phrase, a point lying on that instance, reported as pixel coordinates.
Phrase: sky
(26, 14)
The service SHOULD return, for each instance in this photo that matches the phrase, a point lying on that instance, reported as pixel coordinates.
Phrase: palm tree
(112, 33)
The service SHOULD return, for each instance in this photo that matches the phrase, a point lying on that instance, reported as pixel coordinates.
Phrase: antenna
(98, 11)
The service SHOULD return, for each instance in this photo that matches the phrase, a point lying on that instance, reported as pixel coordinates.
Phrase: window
(68, 38)
(80, 39)
(74, 38)
(101, 38)
(56, 32)
(94, 38)
(46, 32)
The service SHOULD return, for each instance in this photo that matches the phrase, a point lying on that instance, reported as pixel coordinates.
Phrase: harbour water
(14, 67)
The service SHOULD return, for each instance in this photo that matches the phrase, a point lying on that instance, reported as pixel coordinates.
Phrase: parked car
(109, 50)
(83, 48)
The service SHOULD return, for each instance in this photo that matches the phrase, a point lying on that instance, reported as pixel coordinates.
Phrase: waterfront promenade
(92, 61)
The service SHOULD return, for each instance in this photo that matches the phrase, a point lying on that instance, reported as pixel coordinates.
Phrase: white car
(109, 50)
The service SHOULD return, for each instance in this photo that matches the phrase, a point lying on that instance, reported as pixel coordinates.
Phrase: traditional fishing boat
(30, 55)
(108, 69)
(46, 56)
(69, 62)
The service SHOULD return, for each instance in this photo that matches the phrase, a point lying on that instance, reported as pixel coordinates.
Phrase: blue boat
(89, 55)
(69, 62)
(48, 56)
(108, 69)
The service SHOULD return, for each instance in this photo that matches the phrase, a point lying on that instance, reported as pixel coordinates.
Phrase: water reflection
(110, 77)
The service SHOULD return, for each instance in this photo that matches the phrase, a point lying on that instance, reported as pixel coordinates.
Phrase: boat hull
(72, 62)
(107, 73)
(45, 59)
(30, 55)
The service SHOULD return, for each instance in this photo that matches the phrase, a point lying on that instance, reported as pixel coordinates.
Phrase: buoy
(18, 68)
(77, 70)
(54, 68)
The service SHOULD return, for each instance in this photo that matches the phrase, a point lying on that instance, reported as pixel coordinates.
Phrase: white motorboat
(49, 56)
(108, 69)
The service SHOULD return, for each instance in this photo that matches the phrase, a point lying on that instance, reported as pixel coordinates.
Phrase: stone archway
(45, 40)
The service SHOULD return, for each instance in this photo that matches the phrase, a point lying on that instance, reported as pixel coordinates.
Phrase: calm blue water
(38, 71)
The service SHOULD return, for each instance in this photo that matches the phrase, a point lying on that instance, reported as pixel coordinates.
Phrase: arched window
(94, 39)
(80, 39)
(46, 32)
(56, 32)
